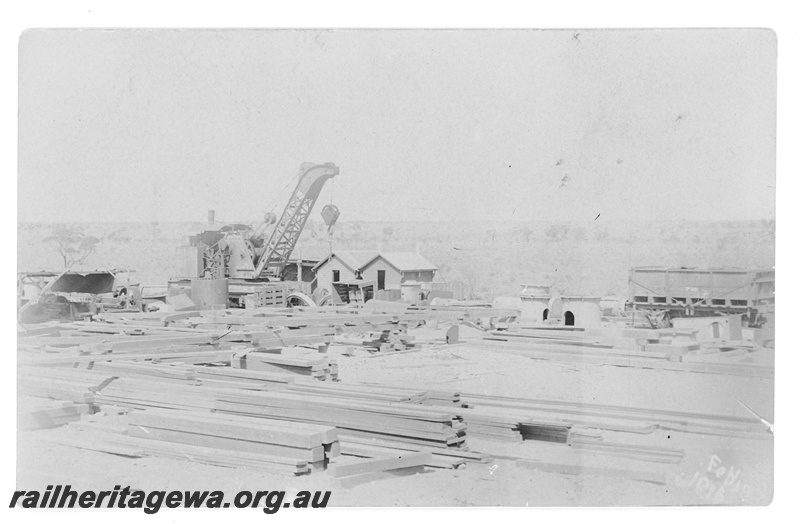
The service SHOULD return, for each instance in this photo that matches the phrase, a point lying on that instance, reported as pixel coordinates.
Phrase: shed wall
(325, 272)
(393, 277)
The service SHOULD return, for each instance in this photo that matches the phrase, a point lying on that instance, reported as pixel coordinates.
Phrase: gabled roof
(354, 260)
(404, 261)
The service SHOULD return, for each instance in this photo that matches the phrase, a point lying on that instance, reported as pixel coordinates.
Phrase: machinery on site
(350, 292)
(249, 257)
(242, 251)
(75, 294)
(667, 293)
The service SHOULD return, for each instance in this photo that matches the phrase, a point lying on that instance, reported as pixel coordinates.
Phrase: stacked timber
(444, 458)
(298, 447)
(316, 366)
(273, 294)
(360, 392)
(626, 450)
(49, 414)
(412, 423)
(238, 417)
(207, 336)
(145, 394)
(56, 385)
(227, 376)
(626, 419)
(642, 354)
(444, 398)
(387, 341)
(183, 374)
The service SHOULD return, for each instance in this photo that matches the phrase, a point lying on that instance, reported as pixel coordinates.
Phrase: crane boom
(287, 230)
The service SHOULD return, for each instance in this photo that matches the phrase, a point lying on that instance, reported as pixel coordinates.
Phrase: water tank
(210, 293)
(410, 292)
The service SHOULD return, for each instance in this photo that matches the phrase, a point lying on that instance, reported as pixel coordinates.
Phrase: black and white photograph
(275, 269)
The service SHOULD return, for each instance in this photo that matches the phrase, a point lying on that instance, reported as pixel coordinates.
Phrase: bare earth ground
(500, 483)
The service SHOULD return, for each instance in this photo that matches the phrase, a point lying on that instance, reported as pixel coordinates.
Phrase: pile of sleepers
(387, 341)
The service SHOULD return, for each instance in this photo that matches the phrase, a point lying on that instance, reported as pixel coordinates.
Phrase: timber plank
(357, 480)
(197, 439)
(240, 428)
(412, 459)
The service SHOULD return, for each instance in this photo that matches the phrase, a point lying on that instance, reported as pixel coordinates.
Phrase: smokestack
(210, 216)
(418, 248)
(299, 267)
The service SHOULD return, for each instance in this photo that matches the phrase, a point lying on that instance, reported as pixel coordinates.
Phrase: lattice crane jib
(281, 243)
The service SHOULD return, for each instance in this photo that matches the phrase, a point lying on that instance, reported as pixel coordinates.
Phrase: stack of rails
(370, 317)
(67, 349)
(621, 418)
(668, 357)
(508, 427)
(446, 458)
(186, 398)
(59, 384)
(373, 421)
(220, 330)
(428, 397)
(409, 423)
(514, 419)
(180, 348)
(301, 447)
(512, 427)
(214, 439)
(503, 417)
(298, 321)
(206, 337)
(662, 454)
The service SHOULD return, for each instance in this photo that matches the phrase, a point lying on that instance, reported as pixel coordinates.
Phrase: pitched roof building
(389, 270)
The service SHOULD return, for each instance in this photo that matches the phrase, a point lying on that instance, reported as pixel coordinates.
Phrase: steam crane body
(258, 254)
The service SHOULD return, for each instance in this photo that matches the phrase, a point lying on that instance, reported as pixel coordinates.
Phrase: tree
(526, 233)
(601, 233)
(557, 232)
(73, 246)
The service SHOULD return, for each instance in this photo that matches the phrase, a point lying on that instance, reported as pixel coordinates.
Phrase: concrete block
(180, 302)
(452, 335)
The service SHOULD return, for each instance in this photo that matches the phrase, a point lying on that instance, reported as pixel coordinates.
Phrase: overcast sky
(424, 125)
